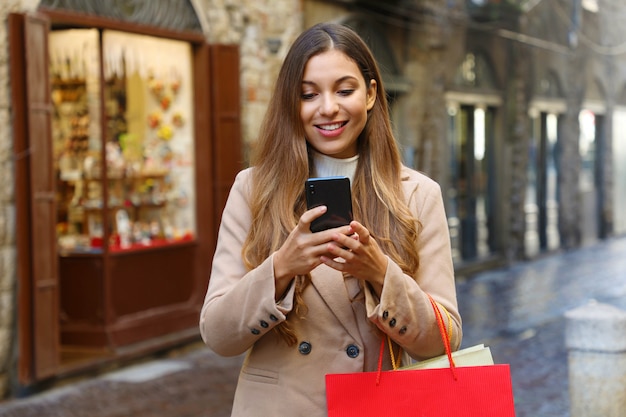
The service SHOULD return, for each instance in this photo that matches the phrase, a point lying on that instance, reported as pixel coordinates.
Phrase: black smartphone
(334, 193)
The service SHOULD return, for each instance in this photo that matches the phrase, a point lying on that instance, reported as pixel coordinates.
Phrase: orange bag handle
(444, 336)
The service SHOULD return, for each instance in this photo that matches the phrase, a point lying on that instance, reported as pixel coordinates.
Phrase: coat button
(403, 330)
(264, 324)
(352, 351)
(304, 348)
(392, 322)
(273, 317)
(255, 331)
(385, 315)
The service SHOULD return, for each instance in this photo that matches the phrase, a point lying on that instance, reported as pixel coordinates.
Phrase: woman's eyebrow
(337, 81)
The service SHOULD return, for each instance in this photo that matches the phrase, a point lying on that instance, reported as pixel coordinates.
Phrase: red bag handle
(444, 337)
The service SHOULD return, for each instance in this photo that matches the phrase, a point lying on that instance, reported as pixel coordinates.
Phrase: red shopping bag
(472, 391)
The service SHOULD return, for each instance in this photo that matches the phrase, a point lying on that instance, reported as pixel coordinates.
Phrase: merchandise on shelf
(121, 182)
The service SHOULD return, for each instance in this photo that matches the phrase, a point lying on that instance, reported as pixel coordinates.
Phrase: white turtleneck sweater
(327, 166)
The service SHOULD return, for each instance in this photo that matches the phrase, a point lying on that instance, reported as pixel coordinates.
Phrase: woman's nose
(328, 105)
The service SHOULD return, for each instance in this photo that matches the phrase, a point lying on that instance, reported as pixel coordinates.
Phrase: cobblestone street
(517, 311)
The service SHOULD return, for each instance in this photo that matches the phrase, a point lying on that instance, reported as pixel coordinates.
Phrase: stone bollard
(595, 337)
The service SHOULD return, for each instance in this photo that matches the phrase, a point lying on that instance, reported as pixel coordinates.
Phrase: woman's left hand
(360, 256)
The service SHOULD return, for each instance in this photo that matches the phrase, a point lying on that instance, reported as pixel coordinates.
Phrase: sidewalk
(517, 311)
(198, 383)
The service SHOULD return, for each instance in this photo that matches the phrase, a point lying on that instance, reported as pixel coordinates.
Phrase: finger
(339, 266)
(361, 231)
(325, 236)
(310, 215)
(346, 242)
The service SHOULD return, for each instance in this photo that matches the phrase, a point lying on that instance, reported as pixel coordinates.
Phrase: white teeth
(331, 127)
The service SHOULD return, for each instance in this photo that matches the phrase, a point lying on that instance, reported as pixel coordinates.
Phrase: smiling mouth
(331, 127)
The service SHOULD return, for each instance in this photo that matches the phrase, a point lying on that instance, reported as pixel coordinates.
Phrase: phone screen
(334, 193)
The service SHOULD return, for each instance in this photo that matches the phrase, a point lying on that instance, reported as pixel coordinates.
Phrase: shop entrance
(592, 132)
(472, 183)
(471, 191)
(120, 184)
(542, 204)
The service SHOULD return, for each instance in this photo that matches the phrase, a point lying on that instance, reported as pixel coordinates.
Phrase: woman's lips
(331, 129)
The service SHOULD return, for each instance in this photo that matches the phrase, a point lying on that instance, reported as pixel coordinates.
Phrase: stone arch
(549, 85)
(476, 71)
(175, 15)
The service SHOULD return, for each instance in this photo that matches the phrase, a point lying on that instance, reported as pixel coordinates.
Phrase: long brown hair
(282, 164)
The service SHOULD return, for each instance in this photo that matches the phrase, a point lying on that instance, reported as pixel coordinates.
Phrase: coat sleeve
(404, 311)
(239, 307)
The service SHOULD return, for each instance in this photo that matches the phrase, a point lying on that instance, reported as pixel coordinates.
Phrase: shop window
(125, 182)
(96, 288)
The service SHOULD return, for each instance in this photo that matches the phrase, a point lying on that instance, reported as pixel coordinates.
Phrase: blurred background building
(123, 124)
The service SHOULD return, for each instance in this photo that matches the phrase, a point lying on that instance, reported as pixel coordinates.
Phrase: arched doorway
(471, 194)
(592, 121)
(541, 207)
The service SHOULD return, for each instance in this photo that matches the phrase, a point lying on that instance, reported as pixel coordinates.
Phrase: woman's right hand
(303, 249)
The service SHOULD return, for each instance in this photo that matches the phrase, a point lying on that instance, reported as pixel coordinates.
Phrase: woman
(305, 304)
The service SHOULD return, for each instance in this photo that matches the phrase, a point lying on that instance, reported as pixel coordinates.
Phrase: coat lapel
(329, 283)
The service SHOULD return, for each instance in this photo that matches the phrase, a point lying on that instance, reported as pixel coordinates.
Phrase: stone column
(595, 337)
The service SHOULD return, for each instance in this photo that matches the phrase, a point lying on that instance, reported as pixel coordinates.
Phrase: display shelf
(116, 248)
(143, 197)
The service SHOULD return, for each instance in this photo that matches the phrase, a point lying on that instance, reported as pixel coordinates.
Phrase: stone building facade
(485, 99)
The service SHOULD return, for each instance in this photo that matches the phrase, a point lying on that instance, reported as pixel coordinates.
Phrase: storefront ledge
(107, 361)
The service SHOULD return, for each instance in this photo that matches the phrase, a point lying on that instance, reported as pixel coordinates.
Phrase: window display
(125, 182)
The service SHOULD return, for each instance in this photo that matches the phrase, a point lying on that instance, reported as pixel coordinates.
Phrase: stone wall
(264, 30)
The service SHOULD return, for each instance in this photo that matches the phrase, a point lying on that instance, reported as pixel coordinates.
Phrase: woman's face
(334, 103)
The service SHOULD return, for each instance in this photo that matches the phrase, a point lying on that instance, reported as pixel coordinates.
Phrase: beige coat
(337, 335)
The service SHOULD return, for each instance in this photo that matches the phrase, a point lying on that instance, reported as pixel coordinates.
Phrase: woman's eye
(346, 92)
(307, 96)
